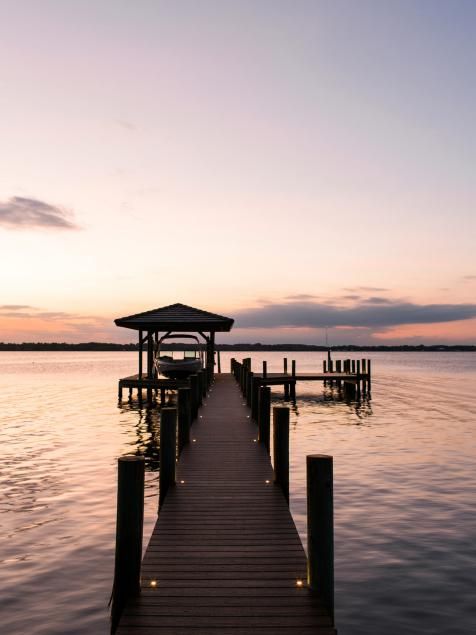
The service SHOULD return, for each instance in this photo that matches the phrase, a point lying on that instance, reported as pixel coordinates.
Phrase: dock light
(247, 416)
(194, 440)
(254, 440)
(182, 482)
(153, 583)
(267, 482)
(299, 583)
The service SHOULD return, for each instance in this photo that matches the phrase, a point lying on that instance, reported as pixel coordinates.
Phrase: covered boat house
(175, 318)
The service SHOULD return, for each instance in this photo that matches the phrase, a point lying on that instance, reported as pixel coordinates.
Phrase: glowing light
(182, 482)
(267, 482)
(299, 583)
(254, 440)
(194, 440)
(153, 583)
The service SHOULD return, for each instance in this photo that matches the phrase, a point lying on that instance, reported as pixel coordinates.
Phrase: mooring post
(119, 391)
(255, 386)
(129, 529)
(353, 366)
(293, 367)
(324, 366)
(320, 528)
(201, 381)
(265, 369)
(369, 377)
(285, 365)
(168, 451)
(249, 387)
(281, 448)
(244, 387)
(264, 416)
(331, 366)
(184, 417)
(194, 395)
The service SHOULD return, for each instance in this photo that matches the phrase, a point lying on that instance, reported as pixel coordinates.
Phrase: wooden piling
(353, 366)
(369, 376)
(129, 529)
(293, 367)
(168, 451)
(218, 361)
(201, 387)
(184, 417)
(249, 387)
(255, 386)
(264, 416)
(193, 379)
(281, 448)
(320, 528)
(285, 365)
(265, 369)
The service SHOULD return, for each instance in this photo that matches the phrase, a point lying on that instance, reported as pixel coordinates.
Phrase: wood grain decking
(225, 556)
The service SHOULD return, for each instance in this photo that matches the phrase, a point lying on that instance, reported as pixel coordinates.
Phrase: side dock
(225, 556)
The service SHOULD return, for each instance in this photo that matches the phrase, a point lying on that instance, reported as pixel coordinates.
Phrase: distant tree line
(104, 346)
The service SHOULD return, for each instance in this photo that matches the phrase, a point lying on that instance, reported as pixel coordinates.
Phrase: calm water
(405, 489)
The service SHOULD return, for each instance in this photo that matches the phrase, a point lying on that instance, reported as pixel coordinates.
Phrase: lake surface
(404, 481)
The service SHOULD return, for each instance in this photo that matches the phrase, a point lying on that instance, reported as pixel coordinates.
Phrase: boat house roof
(176, 317)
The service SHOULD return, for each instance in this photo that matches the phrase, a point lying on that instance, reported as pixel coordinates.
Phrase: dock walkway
(225, 557)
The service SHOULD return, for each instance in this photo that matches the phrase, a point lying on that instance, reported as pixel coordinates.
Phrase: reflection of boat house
(167, 320)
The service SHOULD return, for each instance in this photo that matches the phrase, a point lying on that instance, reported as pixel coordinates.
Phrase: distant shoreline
(105, 347)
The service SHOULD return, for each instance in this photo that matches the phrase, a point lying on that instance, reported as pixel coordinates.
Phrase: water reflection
(147, 428)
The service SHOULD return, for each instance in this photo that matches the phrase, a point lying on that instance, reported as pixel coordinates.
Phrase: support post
(201, 382)
(129, 529)
(184, 418)
(353, 366)
(168, 451)
(320, 528)
(293, 368)
(150, 363)
(194, 395)
(369, 378)
(281, 448)
(249, 387)
(255, 386)
(265, 369)
(219, 361)
(285, 365)
(292, 390)
(264, 416)
(140, 355)
(324, 366)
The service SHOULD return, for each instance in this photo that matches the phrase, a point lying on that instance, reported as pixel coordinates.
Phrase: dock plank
(224, 556)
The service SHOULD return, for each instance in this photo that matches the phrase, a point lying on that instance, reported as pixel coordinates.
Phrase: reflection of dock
(225, 556)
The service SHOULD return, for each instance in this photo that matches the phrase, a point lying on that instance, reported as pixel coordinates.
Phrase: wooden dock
(225, 556)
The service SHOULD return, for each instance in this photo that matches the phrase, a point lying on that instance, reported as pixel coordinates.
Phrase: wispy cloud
(373, 313)
(366, 289)
(15, 307)
(27, 213)
(301, 297)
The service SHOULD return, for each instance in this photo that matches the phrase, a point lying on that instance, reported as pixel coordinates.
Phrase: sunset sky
(294, 165)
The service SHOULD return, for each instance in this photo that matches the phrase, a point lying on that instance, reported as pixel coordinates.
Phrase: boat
(178, 368)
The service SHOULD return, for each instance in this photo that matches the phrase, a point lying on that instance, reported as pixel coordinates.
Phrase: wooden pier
(225, 556)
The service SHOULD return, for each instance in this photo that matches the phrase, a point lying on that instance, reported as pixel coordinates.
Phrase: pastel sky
(294, 165)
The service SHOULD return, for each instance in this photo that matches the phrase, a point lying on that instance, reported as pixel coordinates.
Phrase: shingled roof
(176, 317)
